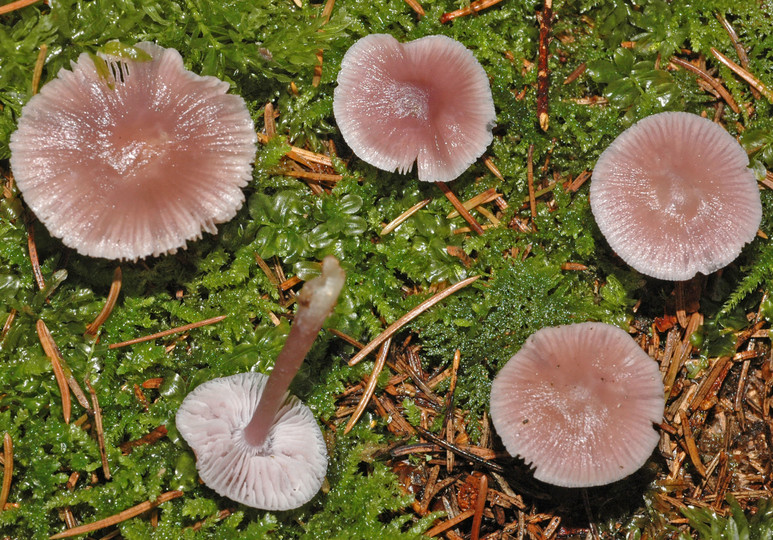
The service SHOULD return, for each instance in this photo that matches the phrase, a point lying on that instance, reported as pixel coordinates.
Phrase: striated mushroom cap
(284, 473)
(426, 101)
(578, 402)
(124, 159)
(673, 196)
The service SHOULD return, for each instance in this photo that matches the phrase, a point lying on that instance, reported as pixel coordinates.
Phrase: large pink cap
(284, 473)
(578, 402)
(135, 159)
(426, 101)
(674, 196)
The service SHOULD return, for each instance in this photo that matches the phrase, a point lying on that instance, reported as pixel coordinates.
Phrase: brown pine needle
(474, 225)
(33, 250)
(480, 504)
(474, 7)
(38, 71)
(489, 163)
(689, 440)
(371, 387)
(579, 70)
(453, 522)
(119, 517)
(327, 11)
(7, 326)
(51, 351)
(530, 180)
(415, 6)
(316, 177)
(739, 49)
(266, 270)
(112, 298)
(7, 469)
(745, 75)
(13, 6)
(347, 338)
(165, 333)
(268, 120)
(482, 198)
(408, 317)
(100, 429)
(317, 77)
(395, 223)
(715, 84)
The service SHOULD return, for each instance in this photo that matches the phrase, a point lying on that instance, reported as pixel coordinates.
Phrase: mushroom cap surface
(426, 101)
(286, 472)
(578, 402)
(124, 159)
(673, 196)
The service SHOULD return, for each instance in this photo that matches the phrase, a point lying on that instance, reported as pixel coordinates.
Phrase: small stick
(474, 225)
(38, 71)
(52, 351)
(119, 517)
(13, 6)
(395, 223)
(151, 337)
(33, 250)
(112, 298)
(715, 84)
(530, 180)
(408, 317)
(545, 19)
(591, 523)
(99, 428)
(415, 6)
(745, 75)
(371, 387)
(7, 469)
(474, 7)
(46, 340)
(480, 504)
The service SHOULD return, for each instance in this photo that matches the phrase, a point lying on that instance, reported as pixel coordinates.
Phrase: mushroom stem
(315, 302)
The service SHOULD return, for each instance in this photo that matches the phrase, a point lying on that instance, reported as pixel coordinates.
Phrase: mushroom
(426, 101)
(578, 402)
(254, 443)
(673, 196)
(125, 158)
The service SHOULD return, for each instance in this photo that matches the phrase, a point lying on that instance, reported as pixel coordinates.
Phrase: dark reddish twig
(545, 19)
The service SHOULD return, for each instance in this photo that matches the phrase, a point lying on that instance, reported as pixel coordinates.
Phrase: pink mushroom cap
(284, 473)
(426, 101)
(674, 196)
(578, 402)
(124, 159)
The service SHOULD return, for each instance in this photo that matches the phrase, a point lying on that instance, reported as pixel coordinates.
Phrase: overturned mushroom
(126, 158)
(254, 443)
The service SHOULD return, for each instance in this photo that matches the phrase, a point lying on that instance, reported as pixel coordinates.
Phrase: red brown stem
(545, 19)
